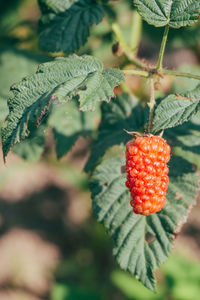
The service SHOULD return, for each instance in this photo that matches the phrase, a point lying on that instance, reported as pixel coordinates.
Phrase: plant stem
(162, 48)
(180, 74)
(136, 32)
(136, 72)
(127, 51)
(151, 104)
(117, 31)
(164, 71)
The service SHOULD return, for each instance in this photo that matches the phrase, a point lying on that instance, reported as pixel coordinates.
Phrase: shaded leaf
(69, 123)
(125, 112)
(32, 147)
(176, 109)
(132, 248)
(175, 13)
(141, 243)
(59, 79)
(65, 27)
(185, 139)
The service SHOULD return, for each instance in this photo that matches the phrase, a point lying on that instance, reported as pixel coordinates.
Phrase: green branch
(147, 71)
(162, 49)
(136, 72)
(117, 31)
(126, 49)
(180, 74)
(136, 32)
(164, 72)
(151, 104)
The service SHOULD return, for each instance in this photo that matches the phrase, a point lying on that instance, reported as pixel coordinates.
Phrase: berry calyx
(147, 173)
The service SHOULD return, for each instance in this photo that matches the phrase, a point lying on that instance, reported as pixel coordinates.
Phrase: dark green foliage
(60, 80)
(125, 112)
(64, 25)
(69, 123)
(63, 95)
(141, 243)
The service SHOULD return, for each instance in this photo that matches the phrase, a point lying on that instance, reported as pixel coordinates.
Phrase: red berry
(146, 167)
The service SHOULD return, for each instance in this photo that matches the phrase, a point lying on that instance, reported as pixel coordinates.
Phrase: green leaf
(185, 140)
(141, 243)
(64, 28)
(32, 147)
(175, 109)
(60, 79)
(175, 13)
(123, 113)
(25, 61)
(55, 6)
(69, 123)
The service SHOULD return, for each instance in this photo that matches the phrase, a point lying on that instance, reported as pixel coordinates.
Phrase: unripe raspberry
(146, 167)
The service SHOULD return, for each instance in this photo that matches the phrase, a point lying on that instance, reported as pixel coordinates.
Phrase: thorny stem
(151, 104)
(162, 48)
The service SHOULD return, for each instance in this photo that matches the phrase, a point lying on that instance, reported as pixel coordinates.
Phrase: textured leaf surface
(175, 13)
(25, 61)
(176, 109)
(124, 112)
(186, 139)
(65, 27)
(59, 79)
(55, 5)
(141, 243)
(69, 123)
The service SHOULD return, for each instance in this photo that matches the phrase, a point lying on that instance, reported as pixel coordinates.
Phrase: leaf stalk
(180, 74)
(136, 72)
(162, 48)
(151, 104)
(136, 32)
(126, 49)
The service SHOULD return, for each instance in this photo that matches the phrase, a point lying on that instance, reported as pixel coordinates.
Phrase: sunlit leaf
(175, 13)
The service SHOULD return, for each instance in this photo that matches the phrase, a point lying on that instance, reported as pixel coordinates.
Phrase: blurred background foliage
(51, 247)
